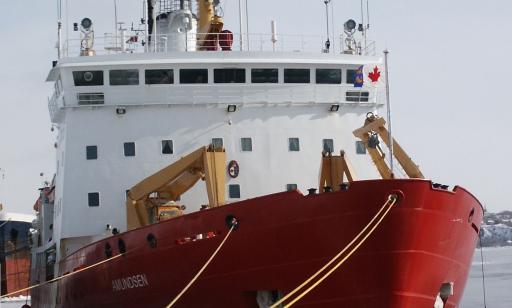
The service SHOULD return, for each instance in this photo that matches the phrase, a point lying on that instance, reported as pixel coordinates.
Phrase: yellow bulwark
(333, 171)
(376, 125)
(167, 185)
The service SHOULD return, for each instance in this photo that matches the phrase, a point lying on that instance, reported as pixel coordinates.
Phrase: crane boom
(375, 126)
(168, 184)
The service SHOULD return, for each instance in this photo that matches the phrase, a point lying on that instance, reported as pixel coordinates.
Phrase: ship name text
(135, 281)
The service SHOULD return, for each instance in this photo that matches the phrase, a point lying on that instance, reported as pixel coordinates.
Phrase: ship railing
(253, 42)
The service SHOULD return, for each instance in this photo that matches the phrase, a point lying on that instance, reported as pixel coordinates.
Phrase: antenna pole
(59, 29)
(388, 105)
(115, 21)
(327, 42)
(241, 14)
(247, 24)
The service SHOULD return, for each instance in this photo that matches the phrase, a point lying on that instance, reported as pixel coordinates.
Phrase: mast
(388, 107)
(241, 10)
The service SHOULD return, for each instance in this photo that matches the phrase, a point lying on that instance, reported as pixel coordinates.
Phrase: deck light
(350, 25)
(120, 110)
(231, 108)
(335, 108)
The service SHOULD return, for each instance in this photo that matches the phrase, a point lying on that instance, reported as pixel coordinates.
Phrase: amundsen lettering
(135, 281)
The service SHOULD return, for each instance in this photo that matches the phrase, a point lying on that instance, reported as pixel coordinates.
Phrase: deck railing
(125, 43)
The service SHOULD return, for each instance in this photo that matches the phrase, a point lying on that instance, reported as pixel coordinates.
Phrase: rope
(63, 276)
(389, 204)
(482, 265)
(203, 268)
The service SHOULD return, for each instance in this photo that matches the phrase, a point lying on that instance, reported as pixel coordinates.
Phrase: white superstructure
(124, 113)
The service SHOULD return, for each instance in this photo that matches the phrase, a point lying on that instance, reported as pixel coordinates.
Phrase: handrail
(111, 43)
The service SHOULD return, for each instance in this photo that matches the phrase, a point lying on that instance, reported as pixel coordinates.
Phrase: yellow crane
(373, 128)
(154, 198)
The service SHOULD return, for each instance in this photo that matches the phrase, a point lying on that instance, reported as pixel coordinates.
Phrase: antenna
(59, 29)
(327, 42)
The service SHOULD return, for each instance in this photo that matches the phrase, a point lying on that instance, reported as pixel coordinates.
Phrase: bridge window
(124, 77)
(293, 75)
(159, 76)
(234, 191)
(189, 76)
(328, 76)
(91, 152)
(358, 96)
(264, 75)
(351, 76)
(328, 145)
(360, 148)
(228, 75)
(291, 187)
(129, 149)
(93, 199)
(246, 144)
(167, 147)
(88, 78)
(293, 144)
(217, 143)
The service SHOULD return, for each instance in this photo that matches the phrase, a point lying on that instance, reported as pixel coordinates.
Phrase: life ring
(233, 169)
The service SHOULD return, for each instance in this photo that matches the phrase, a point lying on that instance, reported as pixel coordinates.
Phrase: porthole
(151, 238)
(108, 250)
(122, 246)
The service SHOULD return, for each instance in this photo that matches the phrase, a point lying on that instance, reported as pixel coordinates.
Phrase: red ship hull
(427, 239)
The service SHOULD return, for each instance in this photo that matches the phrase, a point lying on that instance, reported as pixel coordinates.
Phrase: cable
(203, 268)
(391, 201)
(482, 265)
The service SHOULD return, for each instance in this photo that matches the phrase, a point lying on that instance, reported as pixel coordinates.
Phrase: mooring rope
(233, 226)
(63, 276)
(482, 265)
(390, 202)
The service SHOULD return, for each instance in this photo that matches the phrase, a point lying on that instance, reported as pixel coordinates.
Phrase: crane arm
(376, 125)
(174, 180)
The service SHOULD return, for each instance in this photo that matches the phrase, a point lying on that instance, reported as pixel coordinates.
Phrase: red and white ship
(146, 211)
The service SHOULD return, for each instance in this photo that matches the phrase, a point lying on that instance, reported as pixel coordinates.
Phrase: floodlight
(86, 24)
(350, 25)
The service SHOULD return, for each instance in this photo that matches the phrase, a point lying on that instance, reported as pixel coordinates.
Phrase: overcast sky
(450, 62)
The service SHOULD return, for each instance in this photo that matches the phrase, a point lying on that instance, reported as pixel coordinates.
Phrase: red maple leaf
(375, 75)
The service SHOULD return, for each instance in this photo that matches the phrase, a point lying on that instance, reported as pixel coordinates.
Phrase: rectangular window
(93, 199)
(360, 148)
(88, 78)
(189, 76)
(246, 144)
(351, 76)
(294, 75)
(328, 145)
(264, 75)
(90, 98)
(124, 77)
(229, 75)
(159, 76)
(167, 147)
(234, 191)
(129, 149)
(358, 96)
(91, 152)
(328, 76)
(293, 144)
(217, 143)
(291, 187)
